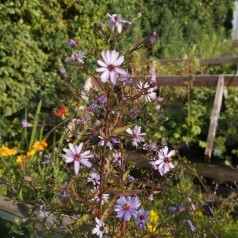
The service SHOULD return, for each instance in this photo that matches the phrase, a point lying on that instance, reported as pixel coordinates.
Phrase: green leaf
(23, 209)
(3, 190)
(119, 130)
(35, 125)
(122, 191)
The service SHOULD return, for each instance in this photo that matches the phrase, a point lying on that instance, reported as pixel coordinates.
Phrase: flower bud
(62, 71)
(152, 38)
(101, 26)
(72, 43)
(94, 133)
(127, 24)
(138, 14)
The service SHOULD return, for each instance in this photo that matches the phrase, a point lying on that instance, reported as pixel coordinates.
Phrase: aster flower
(141, 218)
(164, 162)
(47, 160)
(131, 178)
(25, 124)
(94, 178)
(190, 224)
(109, 142)
(74, 154)
(100, 228)
(117, 158)
(136, 134)
(116, 21)
(148, 93)
(126, 207)
(110, 66)
(151, 197)
(78, 57)
(43, 213)
(150, 146)
(96, 198)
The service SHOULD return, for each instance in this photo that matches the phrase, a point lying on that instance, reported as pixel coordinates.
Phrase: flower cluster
(164, 162)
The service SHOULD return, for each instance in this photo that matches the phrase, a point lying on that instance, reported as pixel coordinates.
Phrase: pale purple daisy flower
(191, 226)
(109, 142)
(47, 160)
(100, 228)
(43, 213)
(141, 218)
(116, 21)
(172, 209)
(105, 197)
(131, 178)
(78, 57)
(126, 207)
(164, 162)
(147, 93)
(25, 124)
(74, 154)
(150, 146)
(136, 134)
(117, 158)
(151, 197)
(94, 178)
(110, 66)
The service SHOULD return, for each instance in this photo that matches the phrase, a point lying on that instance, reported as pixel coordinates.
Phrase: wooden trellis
(218, 81)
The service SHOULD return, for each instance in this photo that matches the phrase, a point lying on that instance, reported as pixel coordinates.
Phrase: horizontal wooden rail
(197, 80)
(206, 61)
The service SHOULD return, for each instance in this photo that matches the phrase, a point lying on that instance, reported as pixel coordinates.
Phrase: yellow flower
(40, 145)
(30, 152)
(7, 152)
(151, 228)
(19, 159)
(154, 216)
(199, 213)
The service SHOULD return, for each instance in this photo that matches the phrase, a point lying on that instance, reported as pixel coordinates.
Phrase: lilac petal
(119, 28)
(86, 163)
(101, 69)
(68, 159)
(85, 153)
(72, 148)
(68, 151)
(119, 61)
(101, 63)
(113, 77)
(108, 55)
(165, 150)
(104, 57)
(104, 77)
(171, 153)
(121, 71)
(128, 130)
(79, 148)
(76, 167)
(114, 56)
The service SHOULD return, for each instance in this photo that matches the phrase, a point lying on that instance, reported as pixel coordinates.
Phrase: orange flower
(7, 152)
(61, 111)
(30, 152)
(40, 145)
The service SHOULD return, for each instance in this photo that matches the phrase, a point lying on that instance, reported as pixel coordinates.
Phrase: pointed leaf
(122, 191)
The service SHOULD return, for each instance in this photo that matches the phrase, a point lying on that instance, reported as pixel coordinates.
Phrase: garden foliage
(33, 35)
(90, 168)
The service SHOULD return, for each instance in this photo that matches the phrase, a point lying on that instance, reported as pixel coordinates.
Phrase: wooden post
(214, 118)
